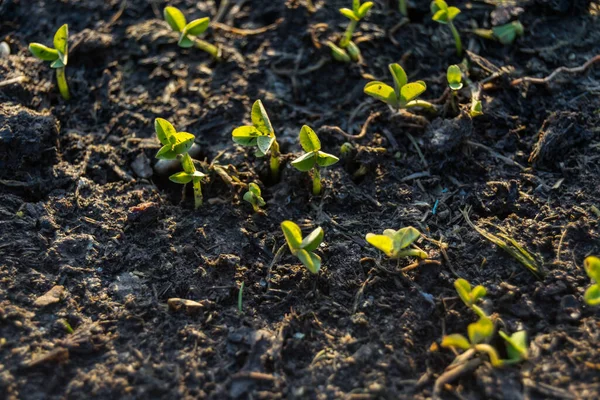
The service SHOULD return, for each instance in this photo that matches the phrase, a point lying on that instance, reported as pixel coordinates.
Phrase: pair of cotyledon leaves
(178, 23)
(393, 242)
(303, 248)
(254, 195)
(314, 156)
(260, 133)
(442, 13)
(401, 94)
(358, 11)
(454, 77)
(592, 294)
(59, 54)
(469, 295)
(176, 144)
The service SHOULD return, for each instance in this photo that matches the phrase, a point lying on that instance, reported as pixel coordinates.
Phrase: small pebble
(4, 50)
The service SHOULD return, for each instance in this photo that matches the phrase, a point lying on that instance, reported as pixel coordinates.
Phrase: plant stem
(348, 34)
(197, 193)
(456, 36)
(316, 182)
(423, 104)
(62, 83)
(453, 102)
(402, 7)
(240, 297)
(491, 352)
(274, 162)
(209, 48)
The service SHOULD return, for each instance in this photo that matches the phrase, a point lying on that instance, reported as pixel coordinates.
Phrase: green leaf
(381, 242)
(260, 119)
(592, 295)
(309, 139)
(313, 240)
(183, 142)
(355, 5)
(61, 43)
(353, 51)
(454, 77)
(246, 135)
(250, 198)
(405, 237)
(254, 188)
(481, 330)
(264, 143)
(185, 41)
(456, 340)
(463, 288)
(174, 18)
(477, 293)
(181, 177)
(364, 9)
(166, 153)
(293, 235)
(310, 260)
(43, 52)
(452, 13)
(390, 233)
(516, 345)
(338, 53)
(476, 108)
(400, 78)
(197, 26)
(164, 129)
(411, 91)
(326, 159)
(188, 164)
(441, 16)
(305, 162)
(58, 63)
(592, 267)
(437, 5)
(348, 14)
(383, 92)
(198, 174)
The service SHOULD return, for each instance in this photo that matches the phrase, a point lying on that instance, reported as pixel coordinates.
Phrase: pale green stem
(209, 48)
(411, 253)
(62, 83)
(348, 34)
(402, 7)
(197, 192)
(423, 104)
(274, 162)
(316, 182)
(456, 36)
(491, 352)
(453, 101)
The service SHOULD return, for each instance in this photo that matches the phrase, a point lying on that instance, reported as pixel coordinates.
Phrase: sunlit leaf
(254, 188)
(346, 12)
(437, 5)
(181, 177)
(264, 143)
(381, 242)
(185, 41)
(516, 345)
(481, 330)
(399, 76)
(456, 340)
(174, 18)
(260, 119)
(405, 237)
(309, 139)
(477, 293)
(364, 9)
(441, 16)
(454, 77)
(326, 159)
(452, 13)
(245, 135)
(310, 260)
(188, 164)
(592, 295)
(43, 52)
(197, 26)
(313, 240)
(383, 92)
(463, 288)
(411, 91)
(390, 233)
(61, 43)
(305, 162)
(338, 53)
(183, 142)
(293, 235)
(164, 129)
(592, 267)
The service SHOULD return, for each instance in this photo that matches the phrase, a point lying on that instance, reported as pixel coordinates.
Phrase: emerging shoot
(445, 15)
(454, 77)
(314, 158)
(403, 7)
(505, 34)
(58, 56)
(253, 196)
(304, 248)
(188, 32)
(470, 295)
(261, 135)
(347, 49)
(395, 243)
(403, 95)
(592, 267)
(480, 333)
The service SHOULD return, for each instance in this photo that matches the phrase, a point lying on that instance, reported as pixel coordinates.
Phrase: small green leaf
(463, 288)
(477, 293)
(454, 77)
(174, 18)
(246, 135)
(293, 235)
(188, 164)
(592, 267)
(592, 295)
(197, 26)
(346, 12)
(309, 139)
(313, 240)
(305, 162)
(405, 237)
(260, 119)
(353, 51)
(185, 41)
(264, 143)
(254, 188)
(198, 174)
(355, 5)
(381, 242)
(400, 78)
(58, 63)
(390, 233)
(441, 17)
(481, 330)
(164, 129)
(476, 108)
(43, 52)
(437, 5)
(326, 159)
(61, 43)
(338, 53)
(456, 340)
(383, 92)
(181, 177)
(166, 153)
(411, 91)
(516, 345)
(310, 260)
(250, 198)
(364, 9)
(183, 142)
(452, 13)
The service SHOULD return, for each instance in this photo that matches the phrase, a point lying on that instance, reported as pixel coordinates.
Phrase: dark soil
(82, 214)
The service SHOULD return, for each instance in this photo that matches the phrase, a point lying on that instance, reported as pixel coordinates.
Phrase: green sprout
(516, 346)
(403, 95)
(445, 15)
(261, 135)
(304, 248)
(347, 49)
(479, 333)
(58, 55)
(403, 7)
(476, 108)
(188, 32)
(454, 77)
(592, 267)
(505, 34)
(176, 146)
(395, 243)
(313, 158)
(470, 295)
(253, 196)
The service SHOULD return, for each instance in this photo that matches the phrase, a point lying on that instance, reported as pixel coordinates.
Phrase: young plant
(395, 243)
(592, 267)
(505, 34)
(403, 95)
(314, 158)
(188, 32)
(516, 347)
(58, 55)
(470, 295)
(253, 196)
(479, 334)
(304, 248)
(445, 15)
(454, 77)
(476, 108)
(347, 49)
(261, 135)
(176, 146)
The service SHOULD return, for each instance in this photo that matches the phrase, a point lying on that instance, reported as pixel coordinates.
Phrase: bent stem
(209, 48)
(348, 34)
(456, 36)
(423, 104)
(197, 192)
(491, 352)
(62, 83)
(274, 162)
(316, 182)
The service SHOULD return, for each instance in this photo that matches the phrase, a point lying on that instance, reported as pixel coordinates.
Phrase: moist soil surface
(94, 242)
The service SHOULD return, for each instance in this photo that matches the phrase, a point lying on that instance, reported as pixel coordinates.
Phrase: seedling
(176, 146)
(445, 15)
(58, 55)
(304, 248)
(395, 243)
(592, 267)
(454, 77)
(188, 32)
(403, 95)
(253, 196)
(347, 49)
(516, 346)
(261, 135)
(476, 108)
(505, 34)
(314, 158)
(479, 333)
(470, 296)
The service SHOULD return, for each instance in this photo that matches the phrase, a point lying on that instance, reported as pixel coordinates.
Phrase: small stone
(4, 50)
(52, 296)
(141, 166)
(570, 309)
